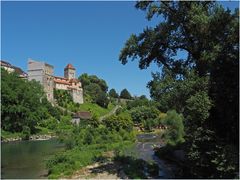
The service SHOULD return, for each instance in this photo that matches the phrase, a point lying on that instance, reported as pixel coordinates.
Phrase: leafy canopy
(125, 94)
(23, 104)
(112, 93)
(95, 88)
(196, 46)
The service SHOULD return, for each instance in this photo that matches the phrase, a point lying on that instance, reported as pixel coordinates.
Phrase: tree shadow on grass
(127, 167)
(110, 168)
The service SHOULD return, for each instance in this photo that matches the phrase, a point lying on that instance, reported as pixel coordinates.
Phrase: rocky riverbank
(33, 138)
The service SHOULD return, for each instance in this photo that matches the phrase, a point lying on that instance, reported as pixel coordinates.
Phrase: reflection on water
(144, 149)
(26, 159)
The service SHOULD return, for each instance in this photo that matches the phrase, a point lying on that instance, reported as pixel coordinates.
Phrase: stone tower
(69, 72)
(43, 73)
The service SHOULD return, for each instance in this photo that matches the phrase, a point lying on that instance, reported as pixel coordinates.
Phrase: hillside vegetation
(23, 106)
(26, 111)
(87, 142)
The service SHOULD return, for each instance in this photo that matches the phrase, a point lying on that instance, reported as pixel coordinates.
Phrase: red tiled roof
(69, 66)
(74, 80)
(83, 115)
(61, 81)
(58, 77)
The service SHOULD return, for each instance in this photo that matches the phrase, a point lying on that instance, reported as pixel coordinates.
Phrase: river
(144, 149)
(26, 159)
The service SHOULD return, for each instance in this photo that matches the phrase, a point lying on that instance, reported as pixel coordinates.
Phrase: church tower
(69, 72)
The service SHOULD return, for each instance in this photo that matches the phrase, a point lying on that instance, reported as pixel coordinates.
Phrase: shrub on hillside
(118, 122)
(102, 100)
(63, 97)
(140, 101)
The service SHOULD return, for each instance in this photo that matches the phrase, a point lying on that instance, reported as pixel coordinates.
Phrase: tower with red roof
(69, 72)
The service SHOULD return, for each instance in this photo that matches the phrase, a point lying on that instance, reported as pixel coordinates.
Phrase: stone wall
(35, 71)
(69, 73)
(42, 73)
(77, 96)
(61, 86)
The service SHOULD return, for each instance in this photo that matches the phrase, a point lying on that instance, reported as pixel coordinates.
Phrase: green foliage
(7, 134)
(197, 109)
(45, 131)
(139, 101)
(26, 133)
(68, 105)
(92, 79)
(224, 84)
(64, 127)
(149, 124)
(23, 103)
(65, 163)
(142, 113)
(223, 158)
(95, 122)
(203, 86)
(118, 122)
(63, 97)
(50, 123)
(175, 129)
(146, 116)
(95, 109)
(85, 144)
(171, 92)
(102, 100)
(88, 138)
(125, 94)
(95, 89)
(112, 93)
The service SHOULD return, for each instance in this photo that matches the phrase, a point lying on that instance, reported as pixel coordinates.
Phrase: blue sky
(88, 35)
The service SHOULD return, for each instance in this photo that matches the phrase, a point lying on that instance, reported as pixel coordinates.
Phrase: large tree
(96, 88)
(196, 46)
(23, 104)
(112, 93)
(93, 79)
(125, 94)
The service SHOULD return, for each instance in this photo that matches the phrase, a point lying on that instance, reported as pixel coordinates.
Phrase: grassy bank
(96, 109)
(86, 143)
(9, 135)
(6, 135)
(66, 163)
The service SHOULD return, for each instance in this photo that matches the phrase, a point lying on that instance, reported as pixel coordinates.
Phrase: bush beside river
(86, 144)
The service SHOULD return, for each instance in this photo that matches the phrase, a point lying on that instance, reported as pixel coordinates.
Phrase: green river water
(26, 159)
